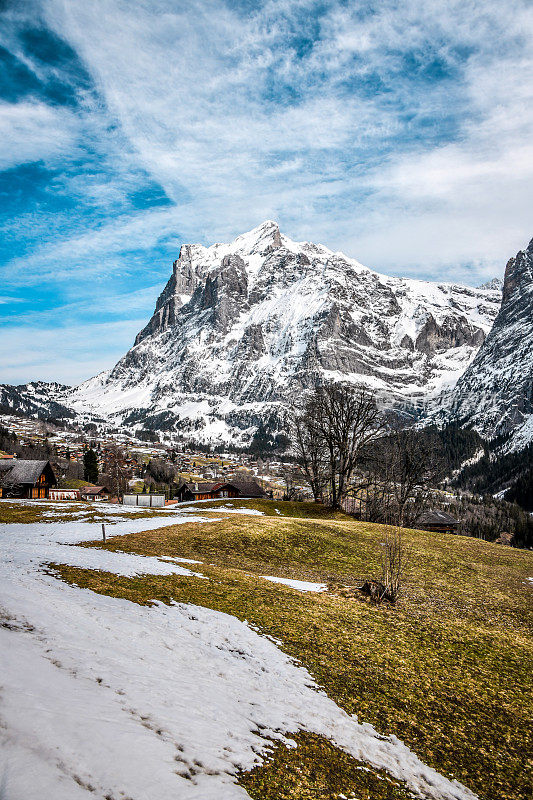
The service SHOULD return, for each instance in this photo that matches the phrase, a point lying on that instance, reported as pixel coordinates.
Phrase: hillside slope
(446, 670)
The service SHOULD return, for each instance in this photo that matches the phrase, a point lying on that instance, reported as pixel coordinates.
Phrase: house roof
(247, 488)
(201, 488)
(19, 470)
(436, 518)
(93, 489)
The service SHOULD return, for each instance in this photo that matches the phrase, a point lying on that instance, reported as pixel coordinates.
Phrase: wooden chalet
(204, 491)
(215, 491)
(22, 478)
(437, 521)
(247, 488)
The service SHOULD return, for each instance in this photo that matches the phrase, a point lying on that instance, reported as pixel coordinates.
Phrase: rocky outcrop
(177, 292)
(252, 345)
(454, 331)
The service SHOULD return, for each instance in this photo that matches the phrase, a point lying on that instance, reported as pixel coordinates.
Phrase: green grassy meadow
(448, 669)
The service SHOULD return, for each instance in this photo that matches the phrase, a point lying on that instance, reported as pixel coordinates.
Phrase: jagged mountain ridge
(241, 330)
(37, 399)
(495, 394)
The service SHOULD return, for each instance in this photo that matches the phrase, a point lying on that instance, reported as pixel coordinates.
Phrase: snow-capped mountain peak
(242, 329)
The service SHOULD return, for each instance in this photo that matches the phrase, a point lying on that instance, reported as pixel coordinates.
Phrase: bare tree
(417, 467)
(394, 560)
(403, 467)
(311, 451)
(115, 471)
(292, 478)
(337, 424)
(162, 472)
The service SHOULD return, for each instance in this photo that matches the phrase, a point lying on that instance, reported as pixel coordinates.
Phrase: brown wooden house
(437, 521)
(205, 491)
(247, 488)
(22, 478)
(215, 491)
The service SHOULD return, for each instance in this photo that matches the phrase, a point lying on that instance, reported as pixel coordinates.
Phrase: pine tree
(90, 466)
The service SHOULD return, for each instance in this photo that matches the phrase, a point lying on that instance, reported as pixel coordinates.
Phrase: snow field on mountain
(275, 315)
(102, 697)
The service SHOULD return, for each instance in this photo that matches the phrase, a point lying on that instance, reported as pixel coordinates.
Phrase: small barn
(437, 521)
(24, 478)
(95, 493)
(205, 491)
(247, 488)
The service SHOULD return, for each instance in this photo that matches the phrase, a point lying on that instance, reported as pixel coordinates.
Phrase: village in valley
(43, 459)
(130, 466)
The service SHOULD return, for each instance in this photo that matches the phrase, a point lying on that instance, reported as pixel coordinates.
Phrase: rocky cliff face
(242, 329)
(496, 391)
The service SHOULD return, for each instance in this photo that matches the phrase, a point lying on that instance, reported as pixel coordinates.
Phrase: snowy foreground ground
(103, 698)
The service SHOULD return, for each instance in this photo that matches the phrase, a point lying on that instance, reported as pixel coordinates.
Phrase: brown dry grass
(448, 669)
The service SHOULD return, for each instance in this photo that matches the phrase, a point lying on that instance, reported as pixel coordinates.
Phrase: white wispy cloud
(194, 102)
(32, 131)
(91, 252)
(99, 303)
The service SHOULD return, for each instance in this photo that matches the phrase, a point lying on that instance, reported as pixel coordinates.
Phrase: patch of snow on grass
(252, 512)
(104, 697)
(302, 586)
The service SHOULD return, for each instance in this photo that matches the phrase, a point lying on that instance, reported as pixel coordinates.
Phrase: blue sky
(399, 132)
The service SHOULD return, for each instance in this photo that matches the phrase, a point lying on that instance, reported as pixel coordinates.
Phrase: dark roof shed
(436, 518)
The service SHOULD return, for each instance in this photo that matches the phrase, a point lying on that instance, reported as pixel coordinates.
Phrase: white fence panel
(144, 500)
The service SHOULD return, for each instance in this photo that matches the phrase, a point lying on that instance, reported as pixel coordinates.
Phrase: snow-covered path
(102, 698)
